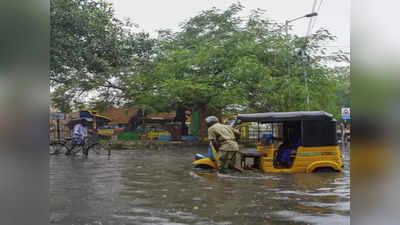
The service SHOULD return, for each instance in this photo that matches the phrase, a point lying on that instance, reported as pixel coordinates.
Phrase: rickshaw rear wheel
(324, 170)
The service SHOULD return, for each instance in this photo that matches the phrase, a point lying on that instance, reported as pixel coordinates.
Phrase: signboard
(346, 113)
(57, 116)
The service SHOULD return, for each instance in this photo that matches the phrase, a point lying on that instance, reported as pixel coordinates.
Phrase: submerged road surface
(160, 187)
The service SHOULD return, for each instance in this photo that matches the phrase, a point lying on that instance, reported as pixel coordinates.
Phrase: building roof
(119, 116)
(123, 116)
(163, 115)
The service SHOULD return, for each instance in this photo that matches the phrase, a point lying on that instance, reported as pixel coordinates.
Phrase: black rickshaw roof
(285, 116)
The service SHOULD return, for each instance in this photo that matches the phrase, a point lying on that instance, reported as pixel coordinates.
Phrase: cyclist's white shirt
(79, 131)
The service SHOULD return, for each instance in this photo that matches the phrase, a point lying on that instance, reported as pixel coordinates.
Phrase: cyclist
(79, 133)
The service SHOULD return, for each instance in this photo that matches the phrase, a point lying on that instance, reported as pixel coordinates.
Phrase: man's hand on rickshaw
(216, 145)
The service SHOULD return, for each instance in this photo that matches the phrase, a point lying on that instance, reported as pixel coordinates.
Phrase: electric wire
(311, 19)
(315, 20)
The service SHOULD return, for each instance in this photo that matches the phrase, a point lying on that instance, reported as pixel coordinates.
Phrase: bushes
(128, 136)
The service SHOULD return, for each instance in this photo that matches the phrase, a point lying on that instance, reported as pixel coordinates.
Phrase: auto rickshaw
(98, 120)
(94, 121)
(299, 142)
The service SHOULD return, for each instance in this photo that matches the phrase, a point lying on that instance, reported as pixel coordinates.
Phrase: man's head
(211, 120)
(84, 121)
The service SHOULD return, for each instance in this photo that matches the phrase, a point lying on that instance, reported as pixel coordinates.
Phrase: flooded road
(160, 187)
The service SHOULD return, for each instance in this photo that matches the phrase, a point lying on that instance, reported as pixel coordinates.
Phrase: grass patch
(128, 136)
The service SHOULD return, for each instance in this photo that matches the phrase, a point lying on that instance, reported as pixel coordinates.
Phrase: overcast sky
(152, 15)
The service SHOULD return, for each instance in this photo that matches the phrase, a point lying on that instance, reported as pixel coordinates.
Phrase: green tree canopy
(89, 47)
(225, 64)
(218, 62)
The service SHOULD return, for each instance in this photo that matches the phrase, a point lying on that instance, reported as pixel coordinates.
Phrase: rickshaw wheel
(324, 170)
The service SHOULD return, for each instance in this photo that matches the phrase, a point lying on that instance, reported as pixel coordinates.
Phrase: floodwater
(160, 187)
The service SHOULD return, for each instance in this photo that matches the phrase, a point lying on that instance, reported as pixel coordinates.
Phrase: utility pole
(288, 55)
(287, 58)
(304, 58)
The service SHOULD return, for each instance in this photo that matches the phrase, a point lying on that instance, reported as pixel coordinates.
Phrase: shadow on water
(160, 187)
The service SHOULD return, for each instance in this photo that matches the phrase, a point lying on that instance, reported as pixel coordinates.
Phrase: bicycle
(91, 144)
(65, 147)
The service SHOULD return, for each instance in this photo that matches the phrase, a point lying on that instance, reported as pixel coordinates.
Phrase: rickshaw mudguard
(319, 164)
(206, 162)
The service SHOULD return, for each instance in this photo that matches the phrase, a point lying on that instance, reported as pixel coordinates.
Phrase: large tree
(89, 50)
(221, 63)
(218, 63)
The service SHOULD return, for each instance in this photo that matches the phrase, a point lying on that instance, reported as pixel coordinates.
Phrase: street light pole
(305, 80)
(288, 56)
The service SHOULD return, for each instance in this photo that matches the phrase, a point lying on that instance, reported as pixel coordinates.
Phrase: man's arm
(237, 134)
(82, 131)
(212, 136)
(216, 145)
(85, 132)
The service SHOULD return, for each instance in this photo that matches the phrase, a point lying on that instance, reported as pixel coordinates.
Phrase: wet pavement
(160, 187)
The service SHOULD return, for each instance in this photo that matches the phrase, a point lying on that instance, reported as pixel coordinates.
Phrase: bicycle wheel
(76, 149)
(56, 148)
(98, 149)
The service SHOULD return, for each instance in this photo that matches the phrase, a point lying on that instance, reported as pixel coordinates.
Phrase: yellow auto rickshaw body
(306, 159)
(315, 145)
(105, 132)
(98, 120)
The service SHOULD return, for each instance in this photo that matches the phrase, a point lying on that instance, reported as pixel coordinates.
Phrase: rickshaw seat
(253, 154)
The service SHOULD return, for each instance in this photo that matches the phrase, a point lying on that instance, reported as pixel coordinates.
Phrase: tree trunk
(203, 113)
(181, 117)
(175, 129)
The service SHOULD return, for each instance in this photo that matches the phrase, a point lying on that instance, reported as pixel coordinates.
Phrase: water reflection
(160, 187)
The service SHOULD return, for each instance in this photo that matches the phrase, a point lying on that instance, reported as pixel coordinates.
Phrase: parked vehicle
(300, 142)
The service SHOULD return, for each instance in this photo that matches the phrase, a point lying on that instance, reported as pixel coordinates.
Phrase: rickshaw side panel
(269, 149)
(306, 160)
(321, 156)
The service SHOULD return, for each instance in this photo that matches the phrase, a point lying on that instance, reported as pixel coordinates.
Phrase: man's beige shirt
(225, 135)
